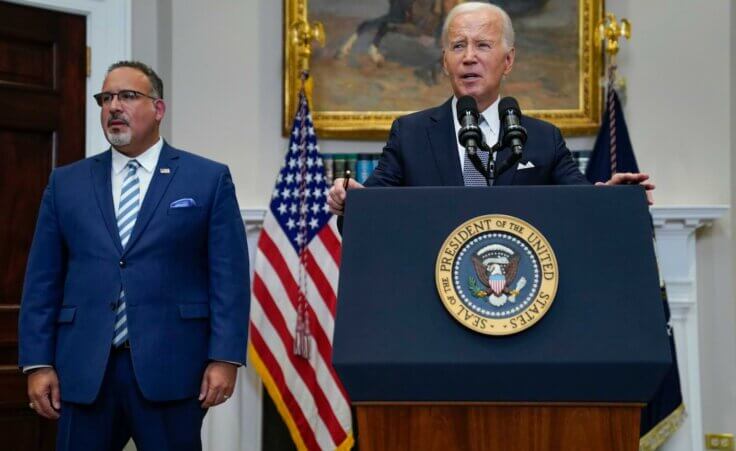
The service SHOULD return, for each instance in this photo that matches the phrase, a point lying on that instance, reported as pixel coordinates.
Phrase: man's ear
(160, 106)
(509, 60)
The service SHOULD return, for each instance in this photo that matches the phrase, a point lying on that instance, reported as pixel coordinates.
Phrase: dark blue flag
(613, 152)
(611, 149)
(664, 414)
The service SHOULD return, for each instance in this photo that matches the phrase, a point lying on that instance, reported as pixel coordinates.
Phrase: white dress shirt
(490, 126)
(148, 161)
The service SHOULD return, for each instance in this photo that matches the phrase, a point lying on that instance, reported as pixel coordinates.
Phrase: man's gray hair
(157, 86)
(472, 7)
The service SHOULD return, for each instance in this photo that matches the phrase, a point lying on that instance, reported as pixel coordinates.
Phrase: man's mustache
(117, 118)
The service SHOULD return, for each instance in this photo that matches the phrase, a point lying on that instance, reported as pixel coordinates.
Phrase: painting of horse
(382, 58)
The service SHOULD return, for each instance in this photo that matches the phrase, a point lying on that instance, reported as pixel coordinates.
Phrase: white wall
(151, 43)
(224, 63)
(678, 65)
(226, 60)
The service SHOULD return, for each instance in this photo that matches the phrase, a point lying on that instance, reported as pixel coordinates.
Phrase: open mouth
(470, 76)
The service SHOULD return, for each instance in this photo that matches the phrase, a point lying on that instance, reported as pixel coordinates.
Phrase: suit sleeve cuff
(233, 349)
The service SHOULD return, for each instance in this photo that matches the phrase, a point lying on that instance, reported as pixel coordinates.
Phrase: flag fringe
(663, 430)
(275, 395)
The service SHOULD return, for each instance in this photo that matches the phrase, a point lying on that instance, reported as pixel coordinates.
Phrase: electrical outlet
(719, 441)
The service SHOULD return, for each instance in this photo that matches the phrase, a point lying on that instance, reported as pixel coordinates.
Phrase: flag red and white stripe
(296, 268)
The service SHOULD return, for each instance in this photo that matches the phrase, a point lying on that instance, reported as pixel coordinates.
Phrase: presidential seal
(497, 274)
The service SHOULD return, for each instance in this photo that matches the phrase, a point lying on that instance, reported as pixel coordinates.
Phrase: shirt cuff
(28, 369)
(227, 361)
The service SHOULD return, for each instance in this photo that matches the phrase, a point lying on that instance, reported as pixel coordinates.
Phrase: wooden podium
(575, 380)
(507, 427)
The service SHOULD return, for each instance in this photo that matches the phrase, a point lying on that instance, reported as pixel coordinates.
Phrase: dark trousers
(120, 413)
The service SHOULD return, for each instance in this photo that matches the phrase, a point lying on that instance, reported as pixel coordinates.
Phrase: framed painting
(381, 60)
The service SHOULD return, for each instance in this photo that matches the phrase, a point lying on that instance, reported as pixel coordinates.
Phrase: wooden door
(42, 121)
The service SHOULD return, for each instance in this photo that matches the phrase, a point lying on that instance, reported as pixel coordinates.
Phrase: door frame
(109, 35)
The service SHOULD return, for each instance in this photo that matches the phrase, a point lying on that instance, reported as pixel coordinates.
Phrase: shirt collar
(148, 159)
(490, 114)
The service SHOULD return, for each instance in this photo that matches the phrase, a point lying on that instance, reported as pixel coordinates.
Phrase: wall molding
(687, 216)
(253, 216)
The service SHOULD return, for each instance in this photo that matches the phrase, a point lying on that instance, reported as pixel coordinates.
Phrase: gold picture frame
(585, 94)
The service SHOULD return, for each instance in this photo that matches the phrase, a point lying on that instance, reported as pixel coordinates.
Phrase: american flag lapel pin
(165, 170)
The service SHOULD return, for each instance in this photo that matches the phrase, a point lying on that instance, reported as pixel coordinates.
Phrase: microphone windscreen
(466, 104)
(506, 104)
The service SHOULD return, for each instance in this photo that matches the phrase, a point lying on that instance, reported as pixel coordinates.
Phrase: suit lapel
(101, 172)
(159, 183)
(441, 132)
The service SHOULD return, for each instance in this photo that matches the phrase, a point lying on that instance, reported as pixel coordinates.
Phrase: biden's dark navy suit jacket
(422, 151)
(184, 272)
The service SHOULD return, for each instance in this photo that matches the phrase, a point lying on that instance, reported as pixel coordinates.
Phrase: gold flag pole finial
(302, 35)
(609, 32)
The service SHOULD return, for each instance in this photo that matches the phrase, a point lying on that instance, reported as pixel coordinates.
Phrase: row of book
(361, 165)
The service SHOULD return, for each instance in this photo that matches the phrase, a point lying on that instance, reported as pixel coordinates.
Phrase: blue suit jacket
(184, 271)
(422, 151)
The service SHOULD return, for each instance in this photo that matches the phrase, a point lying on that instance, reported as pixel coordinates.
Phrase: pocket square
(527, 165)
(183, 203)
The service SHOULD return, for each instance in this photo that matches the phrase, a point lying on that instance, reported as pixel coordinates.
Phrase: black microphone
(514, 135)
(470, 135)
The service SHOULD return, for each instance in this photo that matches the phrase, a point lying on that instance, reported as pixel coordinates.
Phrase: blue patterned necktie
(127, 214)
(471, 176)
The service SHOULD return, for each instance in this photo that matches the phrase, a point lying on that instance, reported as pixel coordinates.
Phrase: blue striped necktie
(127, 214)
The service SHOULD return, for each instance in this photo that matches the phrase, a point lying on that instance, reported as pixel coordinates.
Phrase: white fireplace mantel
(676, 245)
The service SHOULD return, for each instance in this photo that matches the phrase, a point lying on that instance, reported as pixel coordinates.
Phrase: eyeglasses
(124, 96)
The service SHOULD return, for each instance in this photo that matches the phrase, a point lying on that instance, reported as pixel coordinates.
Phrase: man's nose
(469, 55)
(115, 104)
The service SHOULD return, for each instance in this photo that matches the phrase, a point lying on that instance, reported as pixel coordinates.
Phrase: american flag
(294, 298)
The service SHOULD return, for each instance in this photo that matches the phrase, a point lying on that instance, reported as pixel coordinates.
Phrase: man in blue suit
(423, 149)
(135, 305)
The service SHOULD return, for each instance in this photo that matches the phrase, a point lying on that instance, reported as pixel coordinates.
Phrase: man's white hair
(472, 7)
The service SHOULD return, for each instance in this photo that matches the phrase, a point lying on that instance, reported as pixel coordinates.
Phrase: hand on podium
(336, 199)
(630, 178)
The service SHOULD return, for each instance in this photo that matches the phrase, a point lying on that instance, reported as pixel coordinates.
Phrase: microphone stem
(491, 168)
